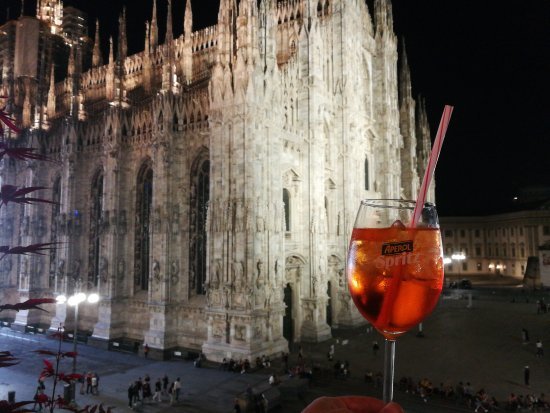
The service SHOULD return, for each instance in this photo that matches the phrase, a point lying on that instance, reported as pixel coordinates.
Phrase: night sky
(490, 59)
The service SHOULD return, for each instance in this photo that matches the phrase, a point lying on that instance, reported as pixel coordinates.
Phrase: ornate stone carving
(174, 272)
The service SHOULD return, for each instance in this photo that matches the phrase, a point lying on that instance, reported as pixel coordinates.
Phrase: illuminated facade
(497, 244)
(207, 186)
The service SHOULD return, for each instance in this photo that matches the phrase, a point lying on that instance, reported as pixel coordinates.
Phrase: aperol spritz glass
(394, 270)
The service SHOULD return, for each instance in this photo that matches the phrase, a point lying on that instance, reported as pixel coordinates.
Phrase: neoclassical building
(206, 187)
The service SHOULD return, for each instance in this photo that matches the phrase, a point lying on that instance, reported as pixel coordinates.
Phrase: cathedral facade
(205, 187)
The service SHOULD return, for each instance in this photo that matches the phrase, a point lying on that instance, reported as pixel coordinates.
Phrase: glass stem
(389, 364)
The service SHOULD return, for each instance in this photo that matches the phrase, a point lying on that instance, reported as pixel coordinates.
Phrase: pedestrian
(525, 335)
(375, 347)
(526, 375)
(82, 381)
(165, 382)
(171, 392)
(540, 351)
(146, 350)
(331, 352)
(138, 385)
(285, 361)
(39, 397)
(237, 407)
(176, 388)
(95, 384)
(146, 389)
(88, 382)
(131, 394)
(158, 390)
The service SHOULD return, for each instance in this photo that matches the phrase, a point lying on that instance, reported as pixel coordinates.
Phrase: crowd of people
(89, 383)
(143, 391)
(464, 394)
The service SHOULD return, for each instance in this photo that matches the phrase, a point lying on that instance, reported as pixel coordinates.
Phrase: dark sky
(488, 58)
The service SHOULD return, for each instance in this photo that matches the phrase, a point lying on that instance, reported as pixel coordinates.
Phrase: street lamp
(74, 301)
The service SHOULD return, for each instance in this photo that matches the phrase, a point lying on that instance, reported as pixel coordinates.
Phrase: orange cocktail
(395, 275)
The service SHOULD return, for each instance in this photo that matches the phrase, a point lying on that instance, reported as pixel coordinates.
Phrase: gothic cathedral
(205, 187)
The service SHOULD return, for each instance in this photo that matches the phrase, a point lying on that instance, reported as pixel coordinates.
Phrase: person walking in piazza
(525, 335)
(526, 375)
(131, 394)
(158, 391)
(89, 382)
(176, 388)
(331, 352)
(540, 351)
(95, 384)
(165, 383)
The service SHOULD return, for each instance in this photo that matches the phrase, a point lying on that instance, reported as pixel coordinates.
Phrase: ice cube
(398, 224)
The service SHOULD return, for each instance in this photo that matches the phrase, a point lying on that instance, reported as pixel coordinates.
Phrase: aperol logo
(393, 248)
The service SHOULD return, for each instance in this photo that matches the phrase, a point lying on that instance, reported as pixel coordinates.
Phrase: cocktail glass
(394, 270)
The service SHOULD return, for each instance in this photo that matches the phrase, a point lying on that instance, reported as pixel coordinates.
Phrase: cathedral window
(200, 178)
(286, 202)
(144, 201)
(96, 210)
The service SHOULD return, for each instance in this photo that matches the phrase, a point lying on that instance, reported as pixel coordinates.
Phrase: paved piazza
(481, 344)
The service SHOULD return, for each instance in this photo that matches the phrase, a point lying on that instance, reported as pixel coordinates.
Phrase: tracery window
(200, 179)
(144, 201)
(96, 210)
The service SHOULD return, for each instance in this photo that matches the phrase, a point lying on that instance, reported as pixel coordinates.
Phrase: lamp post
(74, 301)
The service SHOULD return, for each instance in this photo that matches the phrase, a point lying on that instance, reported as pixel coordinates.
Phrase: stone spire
(154, 35)
(188, 20)
(147, 65)
(97, 59)
(111, 51)
(51, 95)
(405, 88)
(122, 39)
(169, 33)
(227, 16)
(146, 48)
(383, 16)
(188, 43)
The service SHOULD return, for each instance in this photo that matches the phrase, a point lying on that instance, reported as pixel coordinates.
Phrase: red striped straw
(434, 156)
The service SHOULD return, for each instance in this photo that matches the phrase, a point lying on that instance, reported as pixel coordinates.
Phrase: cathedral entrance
(288, 324)
(329, 304)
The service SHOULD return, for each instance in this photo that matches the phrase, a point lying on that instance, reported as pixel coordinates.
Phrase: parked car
(463, 284)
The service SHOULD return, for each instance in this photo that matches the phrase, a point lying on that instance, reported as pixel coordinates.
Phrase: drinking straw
(434, 156)
(395, 279)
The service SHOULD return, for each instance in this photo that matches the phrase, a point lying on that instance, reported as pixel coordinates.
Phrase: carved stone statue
(238, 279)
(156, 271)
